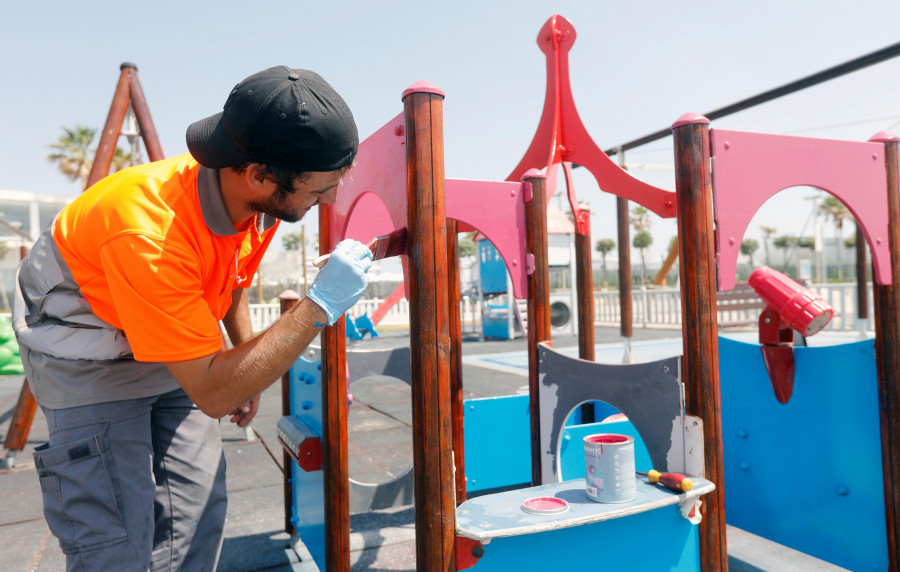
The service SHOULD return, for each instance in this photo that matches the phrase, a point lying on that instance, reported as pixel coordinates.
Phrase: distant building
(23, 215)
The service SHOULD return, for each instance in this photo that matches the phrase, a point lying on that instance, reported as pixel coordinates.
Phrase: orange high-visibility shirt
(154, 260)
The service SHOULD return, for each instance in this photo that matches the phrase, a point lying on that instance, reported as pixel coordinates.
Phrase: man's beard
(277, 206)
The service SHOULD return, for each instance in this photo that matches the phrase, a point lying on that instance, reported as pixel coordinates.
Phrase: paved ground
(380, 442)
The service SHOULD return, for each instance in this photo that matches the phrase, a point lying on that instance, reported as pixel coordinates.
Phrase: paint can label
(609, 468)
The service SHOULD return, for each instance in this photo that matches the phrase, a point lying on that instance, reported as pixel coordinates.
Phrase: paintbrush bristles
(393, 244)
(385, 246)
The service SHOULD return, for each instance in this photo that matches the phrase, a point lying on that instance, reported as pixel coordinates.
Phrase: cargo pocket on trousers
(81, 494)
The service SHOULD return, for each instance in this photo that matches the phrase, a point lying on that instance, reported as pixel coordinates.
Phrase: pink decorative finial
(422, 87)
(689, 118)
(557, 30)
(883, 137)
(533, 174)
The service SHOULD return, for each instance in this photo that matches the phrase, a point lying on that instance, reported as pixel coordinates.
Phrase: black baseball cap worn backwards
(289, 118)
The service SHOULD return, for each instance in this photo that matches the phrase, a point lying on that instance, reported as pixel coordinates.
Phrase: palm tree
(641, 241)
(292, 241)
(604, 246)
(467, 245)
(834, 209)
(748, 247)
(768, 231)
(784, 243)
(74, 155)
(640, 219)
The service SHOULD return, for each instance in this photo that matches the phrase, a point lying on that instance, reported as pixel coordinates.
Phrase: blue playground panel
(495, 321)
(607, 536)
(808, 473)
(308, 488)
(497, 437)
(620, 544)
(492, 269)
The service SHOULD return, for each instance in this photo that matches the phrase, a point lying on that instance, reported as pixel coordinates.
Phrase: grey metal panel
(649, 394)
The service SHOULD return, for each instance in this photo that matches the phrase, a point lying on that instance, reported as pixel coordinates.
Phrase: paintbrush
(386, 246)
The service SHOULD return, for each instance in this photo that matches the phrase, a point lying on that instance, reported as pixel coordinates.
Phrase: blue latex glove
(342, 280)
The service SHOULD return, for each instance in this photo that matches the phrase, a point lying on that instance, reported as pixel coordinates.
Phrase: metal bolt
(745, 466)
(842, 490)
(743, 434)
(478, 551)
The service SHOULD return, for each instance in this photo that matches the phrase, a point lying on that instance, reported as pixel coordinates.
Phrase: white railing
(651, 307)
(262, 315)
(660, 307)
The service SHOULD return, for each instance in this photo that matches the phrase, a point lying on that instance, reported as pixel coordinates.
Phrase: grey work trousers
(134, 485)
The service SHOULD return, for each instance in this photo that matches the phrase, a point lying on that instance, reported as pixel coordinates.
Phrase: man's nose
(329, 197)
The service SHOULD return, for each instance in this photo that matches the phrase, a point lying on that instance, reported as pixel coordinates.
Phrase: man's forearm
(237, 320)
(221, 382)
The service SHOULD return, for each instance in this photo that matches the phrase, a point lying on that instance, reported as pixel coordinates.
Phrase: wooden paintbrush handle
(321, 260)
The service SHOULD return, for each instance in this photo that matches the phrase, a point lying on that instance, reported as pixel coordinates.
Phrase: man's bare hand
(246, 412)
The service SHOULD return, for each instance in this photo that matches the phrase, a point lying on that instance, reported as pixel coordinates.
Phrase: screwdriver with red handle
(672, 481)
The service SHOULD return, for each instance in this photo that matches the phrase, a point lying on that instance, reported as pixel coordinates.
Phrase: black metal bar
(808, 81)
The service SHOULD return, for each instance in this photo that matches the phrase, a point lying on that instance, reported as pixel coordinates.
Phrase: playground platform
(380, 540)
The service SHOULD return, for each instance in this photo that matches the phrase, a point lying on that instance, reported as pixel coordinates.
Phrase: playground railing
(262, 315)
(651, 308)
(661, 307)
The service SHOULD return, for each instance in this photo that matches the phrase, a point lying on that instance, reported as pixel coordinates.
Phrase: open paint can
(609, 468)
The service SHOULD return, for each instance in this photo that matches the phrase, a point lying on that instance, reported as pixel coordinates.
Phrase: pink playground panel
(749, 168)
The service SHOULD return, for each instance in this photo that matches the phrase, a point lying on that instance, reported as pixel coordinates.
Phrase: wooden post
(106, 149)
(584, 287)
(887, 340)
(288, 299)
(20, 424)
(334, 428)
(128, 90)
(862, 292)
(538, 300)
(456, 378)
(584, 291)
(700, 363)
(624, 239)
(145, 121)
(429, 330)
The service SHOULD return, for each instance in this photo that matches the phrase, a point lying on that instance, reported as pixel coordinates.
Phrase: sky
(635, 67)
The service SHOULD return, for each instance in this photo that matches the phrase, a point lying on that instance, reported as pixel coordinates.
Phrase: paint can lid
(545, 505)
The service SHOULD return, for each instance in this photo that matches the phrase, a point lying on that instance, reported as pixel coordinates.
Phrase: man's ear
(256, 177)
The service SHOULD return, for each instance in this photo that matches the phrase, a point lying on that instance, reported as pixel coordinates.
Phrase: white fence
(651, 307)
(262, 315)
